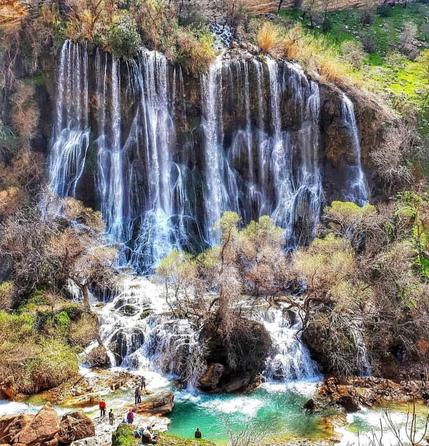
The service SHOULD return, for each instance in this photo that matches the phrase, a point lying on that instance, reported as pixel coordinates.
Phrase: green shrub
(124, 38)
(124, 436)
(8, 139)
(195, 50)
(62, 319)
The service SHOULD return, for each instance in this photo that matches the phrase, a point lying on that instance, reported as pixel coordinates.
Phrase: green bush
(62, 319)
(124, 38)
(7, 138)
(195, 50)
(124, 436)
(36, 351)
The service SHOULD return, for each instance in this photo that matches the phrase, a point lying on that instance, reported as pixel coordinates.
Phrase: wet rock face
(372, 121)
(211, 378)
(123, 344)
(235, 361)
(98, 357)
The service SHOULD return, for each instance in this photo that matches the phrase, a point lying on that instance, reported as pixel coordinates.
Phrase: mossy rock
(124, 436)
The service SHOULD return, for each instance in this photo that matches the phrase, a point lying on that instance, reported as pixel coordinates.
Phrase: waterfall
(110, 151)
(290, 359)
(70, 136)
(215, 195)
(356, 187)
(162, 165)
(140, 333)
(163, 212)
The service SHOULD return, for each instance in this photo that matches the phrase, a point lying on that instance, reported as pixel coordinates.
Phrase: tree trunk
(85, 295)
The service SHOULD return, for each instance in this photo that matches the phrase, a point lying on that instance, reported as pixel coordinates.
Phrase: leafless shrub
(412, 434)
(388, 159)
(25, 115)
(408, 41)
(250, 435)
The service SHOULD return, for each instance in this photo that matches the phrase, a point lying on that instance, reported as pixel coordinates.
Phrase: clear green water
(276, 412)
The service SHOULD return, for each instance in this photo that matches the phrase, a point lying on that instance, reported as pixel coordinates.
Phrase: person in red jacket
(102, 407)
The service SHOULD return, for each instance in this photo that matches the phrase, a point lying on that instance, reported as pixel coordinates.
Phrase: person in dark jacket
(111, 417)
(138, 395)
(198, 433)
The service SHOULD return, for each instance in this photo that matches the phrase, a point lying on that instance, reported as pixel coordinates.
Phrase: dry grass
(267, 37)
(12, 12)
(314, 55)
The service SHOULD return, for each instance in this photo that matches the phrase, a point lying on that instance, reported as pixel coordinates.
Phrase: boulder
(42, 428)
(348, 403)
(310, 406)
(98, 357)
(156, 404)
(210, 379)
(11, 425)
(75, 426)
(242, 353)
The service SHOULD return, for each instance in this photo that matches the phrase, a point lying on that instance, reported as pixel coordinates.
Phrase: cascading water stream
(70, 137)
(110, 151)
(356, 187)
(290, 359)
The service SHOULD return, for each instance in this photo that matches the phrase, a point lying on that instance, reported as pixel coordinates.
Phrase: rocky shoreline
(356, 392)
(47, 428)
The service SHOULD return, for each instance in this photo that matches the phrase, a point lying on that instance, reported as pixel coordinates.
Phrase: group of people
(102, 406)
(146, 434)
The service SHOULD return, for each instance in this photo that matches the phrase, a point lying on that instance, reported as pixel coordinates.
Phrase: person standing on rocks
(102, 407)
(198, 434)
(143, 383)
(138, 395)
(111, 417)
(130, 417)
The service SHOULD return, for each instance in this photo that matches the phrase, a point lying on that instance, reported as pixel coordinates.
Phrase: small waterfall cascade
(70, 135)
(163, 157)
(356, 187)
(290, 360)
(362, 360)
(140, 334)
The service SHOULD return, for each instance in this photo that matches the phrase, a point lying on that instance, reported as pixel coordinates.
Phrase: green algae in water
(278, 414)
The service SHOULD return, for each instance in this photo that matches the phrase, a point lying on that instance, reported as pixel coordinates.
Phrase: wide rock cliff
(163, 154)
